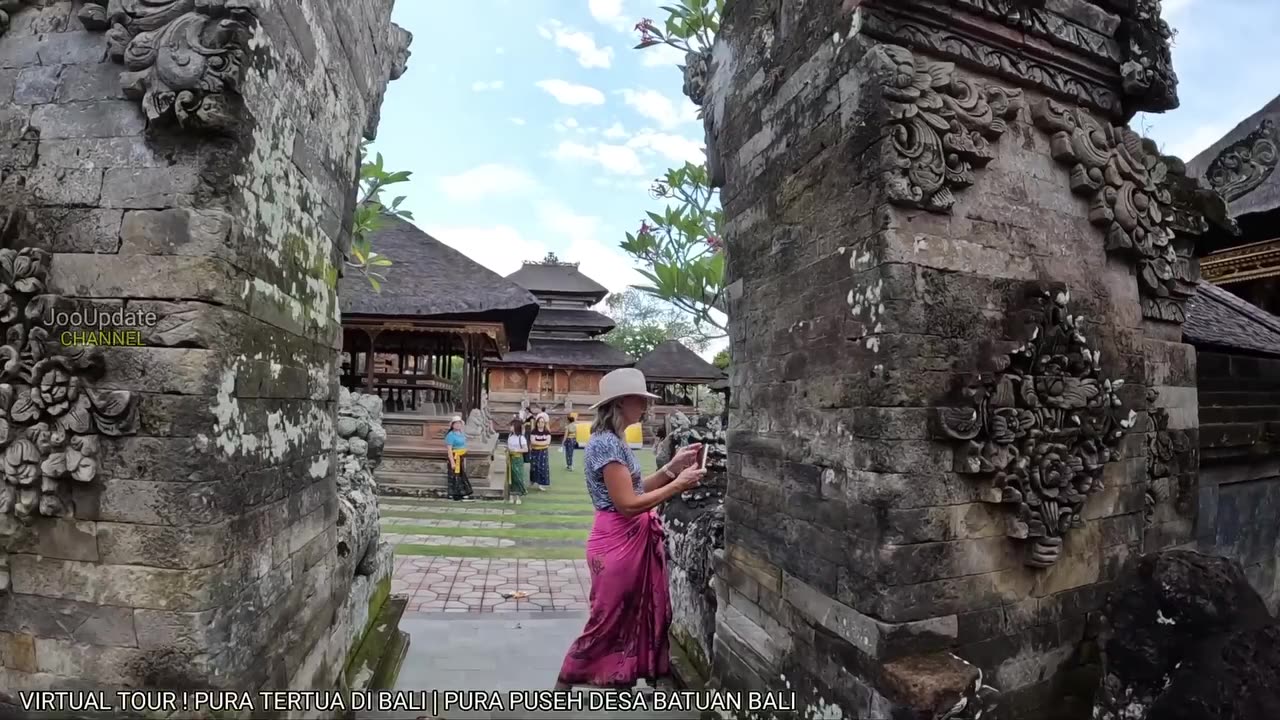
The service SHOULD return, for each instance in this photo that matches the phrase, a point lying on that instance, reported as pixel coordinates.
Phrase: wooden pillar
(369, 359)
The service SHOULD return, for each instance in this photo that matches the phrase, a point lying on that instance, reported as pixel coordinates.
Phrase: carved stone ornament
(1171, 460)
(1040, 424)
(1114, 167)
(7, 9)
(184, 58)
(941, 129)
(1243, 166)
(51, 416)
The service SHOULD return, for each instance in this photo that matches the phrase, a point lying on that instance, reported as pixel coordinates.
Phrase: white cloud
(483, 86)
(1174, 7)
(570, 94)
(661, 56)
(591, 246)
(517, 121)
(672, 147)
(618, 159)
(581, 44)
(491, 179)
(659, 108)
(608, 12)
(616, 132)
(500, 51)
(500, 248)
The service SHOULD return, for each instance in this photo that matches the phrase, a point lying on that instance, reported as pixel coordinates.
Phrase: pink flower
(715, 243)
(645, 228)
(648, 33)
(645, 25)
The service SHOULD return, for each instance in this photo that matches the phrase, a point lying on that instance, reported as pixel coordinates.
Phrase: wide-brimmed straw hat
(621, 383)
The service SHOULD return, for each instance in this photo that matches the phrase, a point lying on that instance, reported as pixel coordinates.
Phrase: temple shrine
(678, 376)
(560, 370)
(420, 344)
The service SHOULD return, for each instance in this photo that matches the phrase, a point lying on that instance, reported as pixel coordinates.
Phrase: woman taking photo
(625, 638)
(539, 453)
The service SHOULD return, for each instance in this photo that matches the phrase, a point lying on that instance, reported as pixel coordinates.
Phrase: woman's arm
(658, 480)
(617, 478)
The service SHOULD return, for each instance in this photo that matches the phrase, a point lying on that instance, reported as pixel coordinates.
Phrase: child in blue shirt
(456, 440)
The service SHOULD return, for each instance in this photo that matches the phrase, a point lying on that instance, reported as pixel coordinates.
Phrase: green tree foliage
(644, 323)
(721, 360)
(371, 213)
(679, 249)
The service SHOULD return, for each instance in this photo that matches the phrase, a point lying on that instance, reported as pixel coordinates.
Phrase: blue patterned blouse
(602, 449)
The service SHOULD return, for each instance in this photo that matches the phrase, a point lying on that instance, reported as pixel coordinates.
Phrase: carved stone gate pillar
(180, 172)
(954, 276)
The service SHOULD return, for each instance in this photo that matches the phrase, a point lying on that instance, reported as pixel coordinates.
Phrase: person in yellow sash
(517, 448)
(456, 441)
(570, 440)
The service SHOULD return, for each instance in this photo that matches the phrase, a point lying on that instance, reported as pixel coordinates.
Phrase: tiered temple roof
(566, 330)
(673, 363)
(1218, 320)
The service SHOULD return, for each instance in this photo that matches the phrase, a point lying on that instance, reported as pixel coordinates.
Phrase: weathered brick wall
(205, 551)
(868, 287)
(1239, 490)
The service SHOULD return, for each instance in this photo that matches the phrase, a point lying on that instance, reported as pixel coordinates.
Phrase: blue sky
(532, 125)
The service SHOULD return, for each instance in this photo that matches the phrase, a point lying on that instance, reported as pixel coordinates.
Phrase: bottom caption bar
(434, 702)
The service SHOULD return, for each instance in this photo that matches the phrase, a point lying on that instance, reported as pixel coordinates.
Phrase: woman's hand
(688, 479)
(686, 457)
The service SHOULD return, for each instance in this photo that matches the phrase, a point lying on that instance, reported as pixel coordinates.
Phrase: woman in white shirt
(517, 448)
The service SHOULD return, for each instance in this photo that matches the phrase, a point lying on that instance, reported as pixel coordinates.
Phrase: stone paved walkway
(482, 585)
(495, 652)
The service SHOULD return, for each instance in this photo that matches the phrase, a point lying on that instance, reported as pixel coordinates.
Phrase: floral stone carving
(1124, 178)
(1040, 424)
(1243, 166)
(183, 57)
(51, 417)
(942, 127)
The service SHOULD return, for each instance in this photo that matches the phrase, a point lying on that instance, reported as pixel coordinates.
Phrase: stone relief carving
(7, 9)
(1040, 422)
(184, 58)
(1147, 75)
(1243, 166)
(942, 128)
(1171, 456)
(51, 416)
(1123, 176)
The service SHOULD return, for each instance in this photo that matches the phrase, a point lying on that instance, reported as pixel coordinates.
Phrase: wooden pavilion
(676, 374)
(562, 367)
(1242, 167)
(421, 342)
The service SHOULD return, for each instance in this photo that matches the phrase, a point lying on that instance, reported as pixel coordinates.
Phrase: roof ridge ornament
(552, 260)
(1245, 164)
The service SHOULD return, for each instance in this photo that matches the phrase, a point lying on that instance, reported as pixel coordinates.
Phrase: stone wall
(211, 185)
(1239, 488)
(954, 277)
(694, 523)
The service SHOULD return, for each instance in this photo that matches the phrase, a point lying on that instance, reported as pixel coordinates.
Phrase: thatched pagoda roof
(672, 362)
(562, 320)
(1242, 164)
(1217, 319)
(555, 277)
(566, 353)
(432, 280)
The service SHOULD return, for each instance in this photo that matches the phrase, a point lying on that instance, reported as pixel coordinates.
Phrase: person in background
(539, 453)
(456, 440)
(517, 448)
(626, 634)
(570, 440)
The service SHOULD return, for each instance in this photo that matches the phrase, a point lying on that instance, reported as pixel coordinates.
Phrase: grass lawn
(550, 525)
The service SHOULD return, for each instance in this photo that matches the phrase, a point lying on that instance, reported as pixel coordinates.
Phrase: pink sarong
(626, 636)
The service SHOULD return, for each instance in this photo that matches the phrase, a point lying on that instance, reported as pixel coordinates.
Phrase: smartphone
(702, 457)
